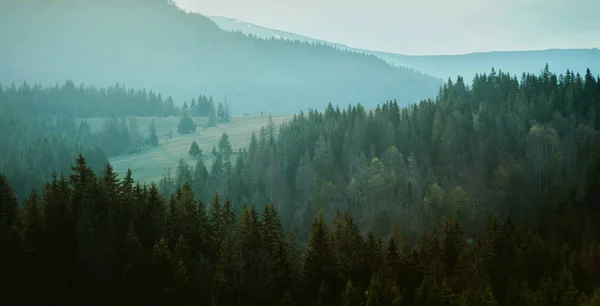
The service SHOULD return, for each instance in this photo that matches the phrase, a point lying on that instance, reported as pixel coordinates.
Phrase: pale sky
(423, 26)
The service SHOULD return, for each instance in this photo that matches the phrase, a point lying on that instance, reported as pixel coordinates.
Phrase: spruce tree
(195, 150)
(212, 114)
(186, 124)
(9, 210)
(318, 260)
(221, 111)
(153, 137)
(225, 146)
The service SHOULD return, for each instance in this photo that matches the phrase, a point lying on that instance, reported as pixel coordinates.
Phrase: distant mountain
(446, 66)
(153, 44)
(514, 62)
(235, 25)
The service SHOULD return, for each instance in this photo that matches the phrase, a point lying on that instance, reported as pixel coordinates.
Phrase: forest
(44, 128)
(171, 51)
(485, 195)
(499, 146)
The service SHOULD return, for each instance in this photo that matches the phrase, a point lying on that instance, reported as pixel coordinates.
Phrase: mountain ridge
(509, 61)
(155, 45)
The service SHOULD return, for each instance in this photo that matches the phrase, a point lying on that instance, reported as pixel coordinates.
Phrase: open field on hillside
(150, 164)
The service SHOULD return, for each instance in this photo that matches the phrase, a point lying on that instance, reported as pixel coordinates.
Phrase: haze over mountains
(448, 66)
(155, 45)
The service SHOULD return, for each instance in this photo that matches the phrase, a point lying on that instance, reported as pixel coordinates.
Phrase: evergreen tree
(153, 137)
(9, 210)
(318, 265)
(186, 124)
(352, 296)
(225, 146)
(195, 150)
(212, 114)
(221, 112)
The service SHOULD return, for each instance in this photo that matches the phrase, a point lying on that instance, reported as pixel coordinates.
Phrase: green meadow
(151, 163)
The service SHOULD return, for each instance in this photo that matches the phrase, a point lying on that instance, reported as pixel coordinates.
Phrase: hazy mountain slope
(155, 45)
(445, 66)
(235, 25)
(515, 62)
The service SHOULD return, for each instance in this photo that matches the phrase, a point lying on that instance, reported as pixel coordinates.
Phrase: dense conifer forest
(501, 145)
(43, 131)
(80, 101)
(487, 195)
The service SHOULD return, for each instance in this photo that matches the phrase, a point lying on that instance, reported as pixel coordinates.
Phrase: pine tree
(200, 180)
(194, 108)
(186, 124)
(220, 111)
(212, 114)
(225, 146)
(153, 137)
(183, 173)
(323, 160)
(351, 296)
(134, 265)
(9, 211)
(161, 271)
(195, 150)
(31, 227)
(318, 259)
(374, 295)
(251, 255)
(453, 244)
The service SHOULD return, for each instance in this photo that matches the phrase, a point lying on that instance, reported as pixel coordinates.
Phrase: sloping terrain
(446, 66)
(153, 44)
(150, 164)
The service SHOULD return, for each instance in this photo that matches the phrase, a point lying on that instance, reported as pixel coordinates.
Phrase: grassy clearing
(150, 164)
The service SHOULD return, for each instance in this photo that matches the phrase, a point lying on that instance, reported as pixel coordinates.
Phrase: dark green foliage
(99, 232)
(225, 146)
(492, 185)
(212, 116)
(499, 146)
(195, 150)
(78, 101)
(153, 138)
(186, 124)
(44, 130)
(33, 148)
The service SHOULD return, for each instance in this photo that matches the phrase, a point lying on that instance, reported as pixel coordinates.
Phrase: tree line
(33, 148)
(79, 101)
(205, 107)
(498, 146)
(254, 74)
(100, 239)
(45, 128)
(486, 195)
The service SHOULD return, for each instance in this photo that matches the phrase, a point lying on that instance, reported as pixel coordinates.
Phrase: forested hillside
(447, 66)
(500, 145)
(486, 195)
(152, 44)
(80, 101)
(468, 65)
(42, 130)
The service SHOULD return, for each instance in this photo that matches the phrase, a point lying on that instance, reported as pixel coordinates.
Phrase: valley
(150, 155)
(150, 164)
